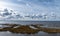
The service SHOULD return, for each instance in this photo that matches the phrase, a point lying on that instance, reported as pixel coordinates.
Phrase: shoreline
(23, 29)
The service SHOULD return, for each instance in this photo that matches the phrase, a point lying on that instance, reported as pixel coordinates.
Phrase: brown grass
(25, 29)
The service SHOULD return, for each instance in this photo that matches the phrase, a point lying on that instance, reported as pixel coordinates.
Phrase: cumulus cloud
(10, 14)
(23, 7)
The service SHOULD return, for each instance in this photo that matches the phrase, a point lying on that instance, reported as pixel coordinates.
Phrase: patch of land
(27, 29)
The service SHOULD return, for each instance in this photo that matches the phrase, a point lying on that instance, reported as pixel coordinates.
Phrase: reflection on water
(38, 34)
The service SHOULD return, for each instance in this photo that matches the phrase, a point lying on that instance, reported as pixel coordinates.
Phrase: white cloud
(30, 8)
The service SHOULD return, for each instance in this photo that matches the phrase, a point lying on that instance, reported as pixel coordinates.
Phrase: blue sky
(32, 6)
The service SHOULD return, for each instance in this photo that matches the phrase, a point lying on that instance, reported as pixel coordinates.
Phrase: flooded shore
(27, 30)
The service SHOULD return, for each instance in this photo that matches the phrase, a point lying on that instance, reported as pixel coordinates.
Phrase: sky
(47, 7)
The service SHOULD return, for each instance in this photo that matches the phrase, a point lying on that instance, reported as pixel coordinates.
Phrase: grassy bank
(25, 29)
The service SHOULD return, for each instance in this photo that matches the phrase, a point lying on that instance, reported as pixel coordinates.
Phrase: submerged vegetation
(27, 29)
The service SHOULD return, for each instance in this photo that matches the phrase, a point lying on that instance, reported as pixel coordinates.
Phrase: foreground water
(38, 34)
(46, 23)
